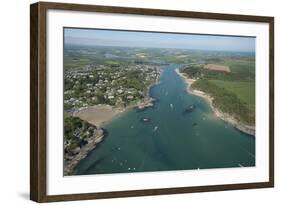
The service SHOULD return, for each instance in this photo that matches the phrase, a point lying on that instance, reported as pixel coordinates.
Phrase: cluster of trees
(79, 90)
(70, 84)
(76, 131)
(232, 76)
(198, 71)
(226, 101)
(194, 71)
(132, 82)
(134, 79)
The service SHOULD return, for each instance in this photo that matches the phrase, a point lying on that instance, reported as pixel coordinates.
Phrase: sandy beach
(224, 116)
(99, 114)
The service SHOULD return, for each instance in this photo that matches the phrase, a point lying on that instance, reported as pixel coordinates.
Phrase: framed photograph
(134, 102)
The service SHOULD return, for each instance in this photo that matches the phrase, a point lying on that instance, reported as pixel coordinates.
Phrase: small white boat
(155, 128)
(172, 106)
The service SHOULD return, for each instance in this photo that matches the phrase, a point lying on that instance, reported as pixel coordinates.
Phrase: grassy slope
(245, 91)
(226, 101)
(241, 66)
(234, 92)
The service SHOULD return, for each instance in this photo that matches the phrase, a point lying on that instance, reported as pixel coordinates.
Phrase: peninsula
(94, 95)
(228, 116)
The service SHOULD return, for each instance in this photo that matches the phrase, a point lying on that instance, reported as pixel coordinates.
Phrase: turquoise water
(172, 139)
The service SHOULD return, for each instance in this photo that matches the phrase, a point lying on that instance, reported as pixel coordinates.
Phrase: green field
(241, 66)
(245, 91)
(76, 63)
(233, 92)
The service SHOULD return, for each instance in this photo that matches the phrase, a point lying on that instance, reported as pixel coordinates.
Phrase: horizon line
(191, 49)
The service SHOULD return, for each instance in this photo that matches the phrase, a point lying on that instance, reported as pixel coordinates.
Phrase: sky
(97, 37)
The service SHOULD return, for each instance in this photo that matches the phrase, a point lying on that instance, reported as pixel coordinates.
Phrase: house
(120, 91)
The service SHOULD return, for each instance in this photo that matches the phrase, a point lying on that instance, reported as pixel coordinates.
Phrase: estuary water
(180, 132)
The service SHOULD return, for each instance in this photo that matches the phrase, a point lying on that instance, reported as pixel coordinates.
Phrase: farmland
(217, 67)
(230, 80)
(245, 91)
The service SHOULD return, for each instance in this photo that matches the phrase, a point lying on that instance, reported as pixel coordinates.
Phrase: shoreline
(99, 115)
(249, 130)
(69, 166)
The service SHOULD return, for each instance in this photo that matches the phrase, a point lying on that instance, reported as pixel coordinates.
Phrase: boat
(155, 128)
(189, 109)
(172, 106)
(145, 119)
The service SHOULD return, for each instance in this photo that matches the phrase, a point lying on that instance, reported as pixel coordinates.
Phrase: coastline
(69, 166)
(250, 130)
(99, 115)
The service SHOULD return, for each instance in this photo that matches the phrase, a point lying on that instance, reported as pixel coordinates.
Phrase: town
(105, 86)
(118, 86)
